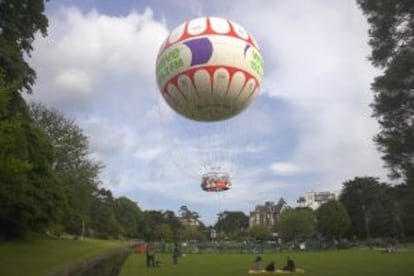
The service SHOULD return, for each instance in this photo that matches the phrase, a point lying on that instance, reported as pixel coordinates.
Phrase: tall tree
(104, 223)
(232, 223)
(371, 207)
(392, 41)
(174, 222)
(71, 163)
(260, 232)
(404, 209)
(31, 197)
(296, 224)
(152, 218)
(129, 216)
(332, 219)
(19, 22)
(186, 213)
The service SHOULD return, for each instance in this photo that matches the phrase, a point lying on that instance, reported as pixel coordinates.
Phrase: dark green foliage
(296, 224)
(19, 22)
(77, 173)
(158, 225)
(31, 197)
(30, 194)
(332, 219)
(129, 216)
(46, 178)
(391, 28)
(103, 219)
(187, 213)
(232, 224)
(260, 232)
(404, 209)
(392, 41)
(174, 222)
(372, 207)
(394, 109)
(151, 219)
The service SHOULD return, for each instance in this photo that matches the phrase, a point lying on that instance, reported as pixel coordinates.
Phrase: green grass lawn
(41, 255)
(332, 263)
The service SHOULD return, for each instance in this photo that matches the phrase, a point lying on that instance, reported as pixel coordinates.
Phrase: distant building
(267, 214)
(315, 199)
(190, 221)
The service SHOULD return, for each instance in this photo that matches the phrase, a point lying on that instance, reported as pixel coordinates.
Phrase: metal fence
(193, 247)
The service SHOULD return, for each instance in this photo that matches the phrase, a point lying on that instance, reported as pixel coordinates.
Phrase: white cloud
(315, 59)
(90, 59)
(74, 81)
(284, 168)
(313, 112)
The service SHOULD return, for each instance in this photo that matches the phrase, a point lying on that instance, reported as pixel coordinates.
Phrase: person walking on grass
(150, 253)
(175, 254)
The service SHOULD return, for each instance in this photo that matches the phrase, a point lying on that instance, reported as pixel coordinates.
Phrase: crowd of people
(151, 261)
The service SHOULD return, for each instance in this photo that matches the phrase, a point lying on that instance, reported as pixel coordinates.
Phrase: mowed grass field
(41, 255)
(332, 263)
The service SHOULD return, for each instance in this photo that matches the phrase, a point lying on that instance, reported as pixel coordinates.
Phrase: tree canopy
(77, 172)
(232, 223)
(332, 219)
(392, 41)
(371, 207)
(296, 224)
(19, 23)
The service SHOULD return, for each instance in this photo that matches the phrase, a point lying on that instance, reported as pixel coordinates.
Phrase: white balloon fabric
(209, 69)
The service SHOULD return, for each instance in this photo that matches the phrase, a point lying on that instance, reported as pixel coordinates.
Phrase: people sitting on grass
(290, 265)
(257, 264)
(271, 267)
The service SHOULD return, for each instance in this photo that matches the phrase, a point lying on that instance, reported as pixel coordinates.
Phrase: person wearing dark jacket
(290, 265)
(271, 267)
(175, 254)
(150, 253)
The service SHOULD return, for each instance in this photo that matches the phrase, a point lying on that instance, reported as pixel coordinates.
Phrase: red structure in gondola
(215, 182)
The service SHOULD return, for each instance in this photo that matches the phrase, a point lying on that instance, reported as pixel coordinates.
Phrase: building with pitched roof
(267, 214)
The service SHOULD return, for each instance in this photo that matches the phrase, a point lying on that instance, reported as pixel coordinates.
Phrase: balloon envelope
(209, 69)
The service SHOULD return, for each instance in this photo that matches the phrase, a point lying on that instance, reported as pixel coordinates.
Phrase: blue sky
(310, 128)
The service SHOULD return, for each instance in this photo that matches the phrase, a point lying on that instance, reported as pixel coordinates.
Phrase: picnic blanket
(278, 271)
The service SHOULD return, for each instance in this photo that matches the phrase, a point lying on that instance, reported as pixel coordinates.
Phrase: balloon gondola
(215, 182)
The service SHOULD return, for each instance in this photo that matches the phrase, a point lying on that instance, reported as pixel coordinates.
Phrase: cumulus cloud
(92, 60)
(315, 60)
(309, 129)
(283, 168)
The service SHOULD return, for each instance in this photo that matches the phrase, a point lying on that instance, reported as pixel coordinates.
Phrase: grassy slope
(333, 263)
(41, 255)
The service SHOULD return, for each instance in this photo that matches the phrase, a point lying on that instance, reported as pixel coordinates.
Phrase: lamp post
(366, 222)
(399, 221)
